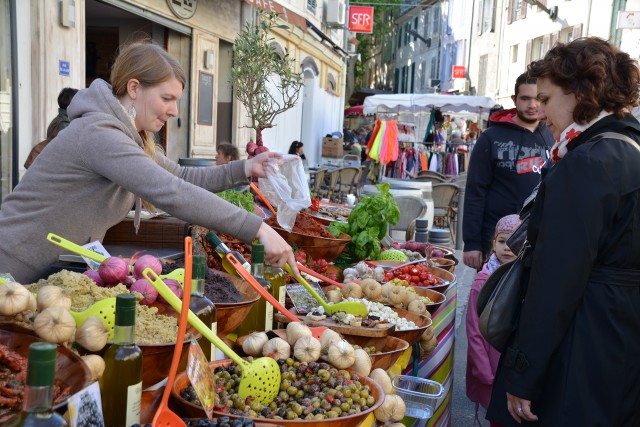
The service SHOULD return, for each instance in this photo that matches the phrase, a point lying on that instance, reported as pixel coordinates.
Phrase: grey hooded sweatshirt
(87, 179)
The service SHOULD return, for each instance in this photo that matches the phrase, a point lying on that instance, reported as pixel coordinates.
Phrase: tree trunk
(259, 136)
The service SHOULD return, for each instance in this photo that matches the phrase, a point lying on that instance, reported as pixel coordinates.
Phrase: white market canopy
(425, 102)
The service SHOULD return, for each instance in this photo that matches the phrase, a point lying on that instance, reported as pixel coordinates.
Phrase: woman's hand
(254, 167)
(520, 408)
(472, 259)
(277, 252)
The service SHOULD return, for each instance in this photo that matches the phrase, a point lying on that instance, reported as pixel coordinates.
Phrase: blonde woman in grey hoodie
(107, 161)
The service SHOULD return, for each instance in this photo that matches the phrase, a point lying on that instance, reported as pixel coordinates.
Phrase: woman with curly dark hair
(575, 357)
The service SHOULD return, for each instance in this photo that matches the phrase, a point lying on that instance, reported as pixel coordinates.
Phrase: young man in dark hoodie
(503, 169)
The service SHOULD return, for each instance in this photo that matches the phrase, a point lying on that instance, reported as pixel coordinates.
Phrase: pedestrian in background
(482, 359)
(504, 168)
(60, 122)
(575, 358)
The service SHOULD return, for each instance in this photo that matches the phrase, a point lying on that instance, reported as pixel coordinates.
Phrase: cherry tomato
(414, 271)
(415, 279)
(404, 270)
(388, 277)
(424, 276)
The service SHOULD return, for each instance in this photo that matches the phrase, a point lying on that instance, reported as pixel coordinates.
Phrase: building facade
(51, 44)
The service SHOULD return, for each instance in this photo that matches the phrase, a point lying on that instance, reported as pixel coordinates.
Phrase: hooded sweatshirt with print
(503, 170)
(88, 179)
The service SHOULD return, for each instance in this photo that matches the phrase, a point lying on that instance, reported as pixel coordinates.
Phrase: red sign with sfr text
(458, 72)
(361, 19)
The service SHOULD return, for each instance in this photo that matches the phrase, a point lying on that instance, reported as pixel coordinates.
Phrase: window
(515, 9)
(407, 36)
(427, 24)
(537, 49)
(566, 35)
(413, 77)
(514, 53)
(399, 37)
(434, 69)
(423, 75)
(396, 80)
(436, 19)
(311, 6)
(487, 16)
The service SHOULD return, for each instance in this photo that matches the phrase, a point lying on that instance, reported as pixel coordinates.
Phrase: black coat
(576, 354)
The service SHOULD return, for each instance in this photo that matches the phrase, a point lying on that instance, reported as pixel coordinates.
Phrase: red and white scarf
(559, 149)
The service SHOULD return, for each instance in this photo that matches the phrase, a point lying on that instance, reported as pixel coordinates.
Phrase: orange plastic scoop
(165, 416)
(316, 331)
(264, 199)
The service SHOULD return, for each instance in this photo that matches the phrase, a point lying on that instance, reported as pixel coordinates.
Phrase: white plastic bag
(286, 188)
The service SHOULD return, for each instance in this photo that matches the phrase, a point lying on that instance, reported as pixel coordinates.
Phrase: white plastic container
(419, 394)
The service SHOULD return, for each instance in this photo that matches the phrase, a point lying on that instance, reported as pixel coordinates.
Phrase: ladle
(316, 331)
(260, 378)
(349, 307)
(165, 416)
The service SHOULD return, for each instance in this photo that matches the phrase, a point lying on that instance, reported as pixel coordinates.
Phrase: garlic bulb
(396, 295)
(54, 324)
(429, 345)
(53, 296)
(341, 354)
(254, 343)
(334, 296)
(372, 289)
(392, 409)
(417, 306)
(378, 273)
(328, 337)
(14, 299)
(297, 330)
(92, 334)
(96, 365)
(382, 378)
(33, 304)
(352, 290)
(277, 348)
(362, 363)
(409, 297)
(307, 349)
(427, 334)
(386, 288)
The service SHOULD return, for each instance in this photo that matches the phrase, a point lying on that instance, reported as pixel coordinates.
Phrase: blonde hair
(150, 65)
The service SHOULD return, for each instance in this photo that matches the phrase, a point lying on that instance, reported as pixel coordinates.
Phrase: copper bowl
(71, 371)
(443, 263)
(230, 315)
(437, 298)
(411, 336)
(388, 348)
(188, 409)
(448, 277)
(317, 247)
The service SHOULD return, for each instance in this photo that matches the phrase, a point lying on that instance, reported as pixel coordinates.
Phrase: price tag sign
(85, 407)
(201, 377)
(95, 247)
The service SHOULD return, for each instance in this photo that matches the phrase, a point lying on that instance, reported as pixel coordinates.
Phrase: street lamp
(552, 12)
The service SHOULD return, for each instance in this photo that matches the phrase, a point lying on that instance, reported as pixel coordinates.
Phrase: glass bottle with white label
(260, 317)
(202, 306)
(122, 382)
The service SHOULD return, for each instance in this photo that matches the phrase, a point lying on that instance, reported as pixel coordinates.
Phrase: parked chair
(432, 173)
(445, 201)
(347, 182)
(318, 182)
(429, 178)
(411, 207)
(330, 184)
(351, 160)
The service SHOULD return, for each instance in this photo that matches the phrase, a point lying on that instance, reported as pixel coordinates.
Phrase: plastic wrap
(286, 188)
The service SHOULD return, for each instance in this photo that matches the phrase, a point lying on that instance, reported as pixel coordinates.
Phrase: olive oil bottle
(277, 278)
(122, 382)
(222, 250)
(202, 306)
(37, 409)
(260, 317)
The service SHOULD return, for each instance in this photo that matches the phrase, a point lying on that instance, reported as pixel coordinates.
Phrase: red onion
(149, 293)
(175, 288)
(146, 261)
(113, 270)
(95, 276)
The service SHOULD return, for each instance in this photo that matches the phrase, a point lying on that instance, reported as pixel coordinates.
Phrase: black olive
(264, 412)
(318, 411)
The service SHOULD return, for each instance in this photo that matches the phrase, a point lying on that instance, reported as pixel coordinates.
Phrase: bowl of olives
(311, 394)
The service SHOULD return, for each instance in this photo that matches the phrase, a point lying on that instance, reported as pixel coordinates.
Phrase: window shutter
(509, 12)
(546, 39)
(528, 55)
(523, 9)
(577, 31)
(554, 39)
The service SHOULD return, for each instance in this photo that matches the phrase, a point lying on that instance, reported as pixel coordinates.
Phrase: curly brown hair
(599, 74)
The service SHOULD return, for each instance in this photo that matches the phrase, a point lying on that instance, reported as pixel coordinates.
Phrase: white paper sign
(96, 247)
(85, 407)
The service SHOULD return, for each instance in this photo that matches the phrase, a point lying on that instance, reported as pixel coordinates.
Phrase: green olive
(332, 414)
(292, 391)
(370, 401)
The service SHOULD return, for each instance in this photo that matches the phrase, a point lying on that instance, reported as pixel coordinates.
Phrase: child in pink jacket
(482, 359)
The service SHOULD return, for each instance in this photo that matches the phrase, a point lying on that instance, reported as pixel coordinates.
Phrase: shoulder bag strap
(616, 135)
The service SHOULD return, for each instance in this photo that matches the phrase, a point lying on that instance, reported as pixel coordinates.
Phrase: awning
(425, 102)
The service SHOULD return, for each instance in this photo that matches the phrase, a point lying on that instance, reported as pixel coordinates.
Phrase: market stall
(322, 343)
